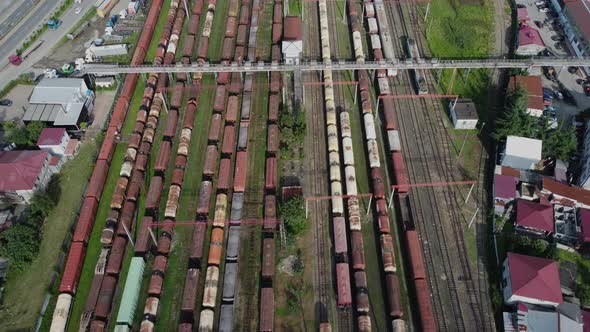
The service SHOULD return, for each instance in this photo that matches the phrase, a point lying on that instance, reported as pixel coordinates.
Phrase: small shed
(463, 114)
(522, 152)
(292, 44)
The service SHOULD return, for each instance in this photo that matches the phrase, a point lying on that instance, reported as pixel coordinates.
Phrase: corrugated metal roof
(131, 291)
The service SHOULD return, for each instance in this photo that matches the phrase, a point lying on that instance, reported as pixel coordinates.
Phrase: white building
(463, 114)
(96, 52)
(54, 140)
(522, 153)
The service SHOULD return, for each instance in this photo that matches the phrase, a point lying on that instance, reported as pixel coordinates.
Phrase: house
(23, 172)
(292, 44)
(531, 280)
(534, 218)
(534, 318)
(54, 140)
(60, 102)
(505, 192)
(534, 89)
(530, 42)
(463, 114)
(522, 153)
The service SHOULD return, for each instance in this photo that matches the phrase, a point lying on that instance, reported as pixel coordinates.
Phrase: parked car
(572, 69)
(77, 10)
(557, 38)
(5, 102)
(540, 3)
(546, 52)
(543, 10)
(558, 95)
(549, 73)
(558, 45)
(586, 88)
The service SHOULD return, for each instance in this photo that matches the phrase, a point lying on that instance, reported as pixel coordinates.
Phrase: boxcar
(116, 256)
(229, 140)
(415, 255)
(273, 108)
(268, 258)
(198, 240)
(210, 161)
(229, 282)
(240, 171)
(343, 285)
(267, 308)
(73, 267)
(271, 174)
(224, 178)
(358, 254)
(105, 297)
(215, 129)
(426, 313)
(387, 253)
(226, 318)
(210, 293)
(270, 213)
(215, 246)
(272, 143)
(340, 238)
(189, 295)
(393, 295)
(233, 244)
(204, 198)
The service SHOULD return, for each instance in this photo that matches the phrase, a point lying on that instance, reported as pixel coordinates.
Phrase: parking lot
(550, 30)
(20, 101)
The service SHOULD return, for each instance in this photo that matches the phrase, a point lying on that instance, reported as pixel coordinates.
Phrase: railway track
(444, 251)
(344, 315)
(315, 174)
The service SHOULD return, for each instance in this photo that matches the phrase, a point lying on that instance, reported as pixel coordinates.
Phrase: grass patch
(94, 246)
(24, 293)
(294, 7)
(264, 37)
(151, 52)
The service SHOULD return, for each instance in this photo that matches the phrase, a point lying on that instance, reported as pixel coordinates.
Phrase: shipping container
(229, 281)
(267, 308)
(210, 292)
(229, 140)
(204, 201)
(358, 254)
(340, 238)
(215, 246)
(343, 285)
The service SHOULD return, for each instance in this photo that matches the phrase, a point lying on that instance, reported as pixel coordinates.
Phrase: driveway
(50, 38)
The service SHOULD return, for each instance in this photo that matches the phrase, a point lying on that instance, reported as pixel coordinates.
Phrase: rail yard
(179, 227)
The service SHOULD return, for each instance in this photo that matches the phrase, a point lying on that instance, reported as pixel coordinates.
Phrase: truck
(17, 59)
(54, 24)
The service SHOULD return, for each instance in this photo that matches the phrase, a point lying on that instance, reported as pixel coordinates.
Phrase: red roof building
(522, 14)
(534, 218)
(54, 140)
(529, 41)
(292, 28)
(534, 88)
(531, 280)
(23, 172)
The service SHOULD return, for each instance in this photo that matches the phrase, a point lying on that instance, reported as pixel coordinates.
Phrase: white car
(540, 3)
(77, 10)
(543, 10)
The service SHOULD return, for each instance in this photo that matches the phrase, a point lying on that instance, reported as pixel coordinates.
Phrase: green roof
(131, 291)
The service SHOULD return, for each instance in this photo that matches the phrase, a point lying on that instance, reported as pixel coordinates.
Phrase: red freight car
(277, 33)
(276, 53)
(239, 54)
(227, 52)
(362, 301)
(381, 207)
(98, 179)
(229, 140)
(240, 171)
(271, 174)
(343, 285)
(177, 93)
(105, 297)
(171, 122)
(215, 247)
(163, 157)
(86, 220)
(273, 108)
(268, 258)
(144, 240)
(152, 201)
(267, 309)
(203, 47)
(219, 101)
(215, 129)
(231, 26)
(74, 263)
(180, 161)
(108, 145)
(231, 116)
(415, 255)
(278, 14)
(198, 240)
(360, 279)
(189, 115)
(141, 162)
(384, 224)
(155, 285)
(272, 143)
(427, 319)
(134, 141)
(223, 77)
(400, 171)
(393, 295)
(164, 245)
(245, 15)
(97, 326)
(378, 184)
(236, 84)
(389, 114)
(340, 239)
(116, 256)
(242, 36)
(119, 194)
(204, 198)
(189, 45)
(193, 25)
(270, 213)
(210, 161)
(177, 176)
(275, 82)
(189, 296)
(387, 254)
(358, 253)
(224, 179)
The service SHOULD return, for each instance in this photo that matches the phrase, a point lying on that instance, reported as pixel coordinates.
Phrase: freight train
(417, 74)
(86, 219)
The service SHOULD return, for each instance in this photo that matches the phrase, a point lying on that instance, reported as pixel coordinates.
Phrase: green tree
(515, 120)
(293, 214)
(34, 130)
(20, 244)
(560, 143)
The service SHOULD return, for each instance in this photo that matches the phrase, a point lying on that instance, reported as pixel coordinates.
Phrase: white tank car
(399, 325)
(211, 281)
(146, 326)
(330, 116)
(372, 24)
(206, 321)
(327, 74)
(345, 129)
(354, 214)
(337, 201)
(381, 15)
(350, 176)
(61, 313)
(332, 131)
(375, 42)
(334, 158)
(348, 153)
(369, 9)
(369, 126)
(394, 141)
(335, 173)
(383, 84)
(373, 150)
(208, 24)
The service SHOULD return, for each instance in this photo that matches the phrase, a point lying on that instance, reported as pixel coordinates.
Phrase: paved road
(50, 38)
(11, 15)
